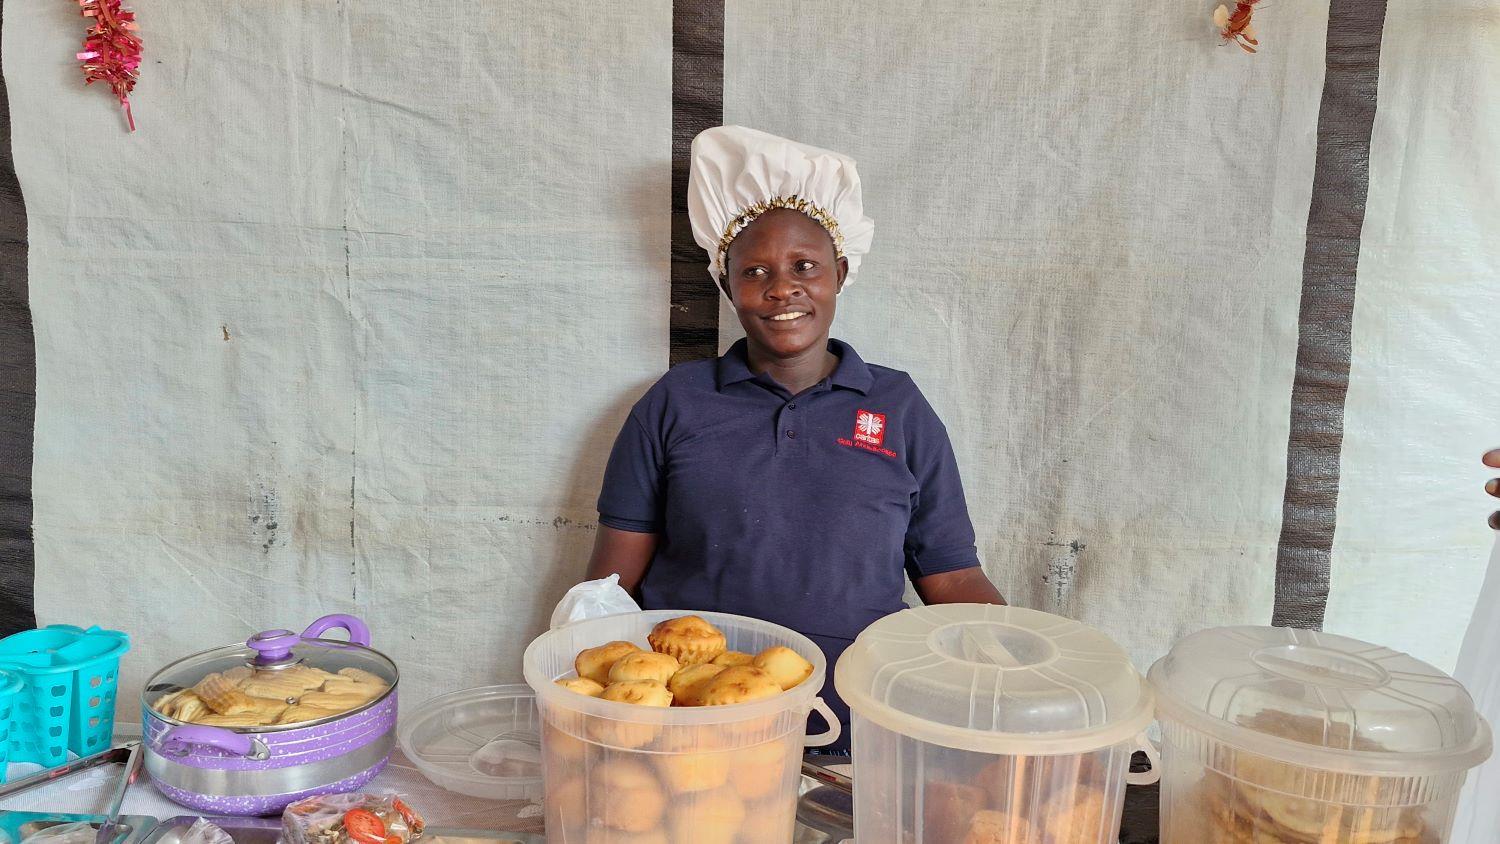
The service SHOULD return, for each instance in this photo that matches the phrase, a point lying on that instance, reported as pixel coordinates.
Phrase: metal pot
(261, 770)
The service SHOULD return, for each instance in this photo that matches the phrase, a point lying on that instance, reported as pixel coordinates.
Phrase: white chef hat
(738, 174)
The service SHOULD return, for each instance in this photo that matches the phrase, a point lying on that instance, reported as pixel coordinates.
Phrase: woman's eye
(755, 272)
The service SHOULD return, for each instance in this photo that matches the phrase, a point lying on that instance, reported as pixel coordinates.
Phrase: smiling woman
(787, 480)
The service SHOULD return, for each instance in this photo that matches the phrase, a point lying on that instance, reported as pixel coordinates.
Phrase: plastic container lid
(994, 679)
(1320, 700)
(483, 742)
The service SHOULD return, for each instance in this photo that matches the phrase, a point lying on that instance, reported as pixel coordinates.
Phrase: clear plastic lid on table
(1320, 700)
(994, 679)
(482, 742)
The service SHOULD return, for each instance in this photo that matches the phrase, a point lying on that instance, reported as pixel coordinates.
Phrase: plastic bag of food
(64, 833)
(350, 819)
(204, 832)
(593, 599)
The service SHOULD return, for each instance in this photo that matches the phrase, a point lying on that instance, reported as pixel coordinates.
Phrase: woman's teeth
(787, 317)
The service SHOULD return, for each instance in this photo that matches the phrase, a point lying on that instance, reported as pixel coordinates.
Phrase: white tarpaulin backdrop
(353, 325)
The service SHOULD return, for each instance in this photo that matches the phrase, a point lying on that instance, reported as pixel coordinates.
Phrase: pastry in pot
(785, 665)
(740, 684)
(564, 808)
(581, 685)
(768, 821)
(222, 696)
(340, 701)
(594, 663)
(1075, 814)
(303, 713)
(627, 734)
(189, 708)
(359, 675)
(690, 639)
(991, 827)
(605, 835)
(712, 817)
(947, 808)
(730, 659)
(638, 692)
(687, 685)
(261, 713)
(696, 770)
(644, 665)
(624, 795)
(759, 770)
(278, 686)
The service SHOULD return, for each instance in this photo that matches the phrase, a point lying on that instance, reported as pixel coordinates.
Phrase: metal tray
(19, 825)
(825, 813)
(268, 831)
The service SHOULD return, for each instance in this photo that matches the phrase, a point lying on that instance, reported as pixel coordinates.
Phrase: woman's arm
(622, 552)
(965, 586)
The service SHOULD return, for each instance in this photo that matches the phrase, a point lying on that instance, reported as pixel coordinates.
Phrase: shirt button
(792, 406)
(791, 434)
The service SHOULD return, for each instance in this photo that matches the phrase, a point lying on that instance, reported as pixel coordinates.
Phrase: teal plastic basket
(67, 698)
(10, 685)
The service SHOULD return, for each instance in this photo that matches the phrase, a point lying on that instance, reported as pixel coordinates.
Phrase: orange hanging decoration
(1235, 26)
(111, 50)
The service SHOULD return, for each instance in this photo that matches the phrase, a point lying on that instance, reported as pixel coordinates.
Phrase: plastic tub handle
(1144, 744)
(835, 729)
(180, 741)
(359, 632)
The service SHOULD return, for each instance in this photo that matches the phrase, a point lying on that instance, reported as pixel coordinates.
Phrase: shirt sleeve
(631, 499)
(940, 537)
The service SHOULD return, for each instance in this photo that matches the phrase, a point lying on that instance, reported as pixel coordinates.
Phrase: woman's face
(783, 278)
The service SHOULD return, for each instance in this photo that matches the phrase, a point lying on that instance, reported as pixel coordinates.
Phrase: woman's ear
(843, 273)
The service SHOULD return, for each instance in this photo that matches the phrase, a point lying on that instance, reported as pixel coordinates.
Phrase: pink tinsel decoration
(112, 50)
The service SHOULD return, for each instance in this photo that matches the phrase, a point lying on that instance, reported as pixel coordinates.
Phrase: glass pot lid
(272, 653)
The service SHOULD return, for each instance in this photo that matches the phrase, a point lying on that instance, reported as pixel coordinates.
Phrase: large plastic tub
(978, 724)
(614, 772)
(1279, 735)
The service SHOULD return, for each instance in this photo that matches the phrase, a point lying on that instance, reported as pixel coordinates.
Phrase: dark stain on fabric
(226, 332)
(1062, 570)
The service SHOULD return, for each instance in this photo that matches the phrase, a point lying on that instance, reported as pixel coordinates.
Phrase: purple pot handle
(180, 741)
(359, 632)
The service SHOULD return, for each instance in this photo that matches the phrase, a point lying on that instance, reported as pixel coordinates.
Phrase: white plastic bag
(593, 599)
(204, 832)
(1478, 818)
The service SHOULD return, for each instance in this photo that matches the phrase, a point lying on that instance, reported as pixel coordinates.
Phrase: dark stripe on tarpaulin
(697, 104)
(1341, 181)
(17, 395)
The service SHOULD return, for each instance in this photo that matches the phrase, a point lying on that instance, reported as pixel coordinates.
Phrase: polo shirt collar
(852, 371)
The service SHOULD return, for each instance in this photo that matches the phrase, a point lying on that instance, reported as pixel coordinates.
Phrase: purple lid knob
(273, 646)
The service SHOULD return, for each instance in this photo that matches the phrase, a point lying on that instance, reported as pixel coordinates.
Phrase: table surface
(88, 793)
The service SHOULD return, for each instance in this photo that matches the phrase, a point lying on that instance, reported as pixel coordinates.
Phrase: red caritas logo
(869, 427)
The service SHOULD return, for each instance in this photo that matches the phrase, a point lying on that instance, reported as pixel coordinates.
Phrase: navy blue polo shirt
(807, 510)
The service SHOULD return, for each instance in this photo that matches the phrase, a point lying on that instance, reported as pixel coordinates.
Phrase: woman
(787, 480)
(1492, 459)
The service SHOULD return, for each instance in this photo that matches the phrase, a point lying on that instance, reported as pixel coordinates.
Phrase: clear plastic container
(979, 724)
(678, 775)
(483, 742)
(1280, 735)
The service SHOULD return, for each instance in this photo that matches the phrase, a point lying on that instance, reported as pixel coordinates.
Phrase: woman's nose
(781, 287)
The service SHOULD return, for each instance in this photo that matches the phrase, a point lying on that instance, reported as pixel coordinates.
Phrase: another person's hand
(1492, 460)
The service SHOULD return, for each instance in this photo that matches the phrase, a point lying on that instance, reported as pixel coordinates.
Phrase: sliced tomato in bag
(364, 827)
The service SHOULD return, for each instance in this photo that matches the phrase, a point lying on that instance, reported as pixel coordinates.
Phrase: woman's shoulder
(675, 385)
